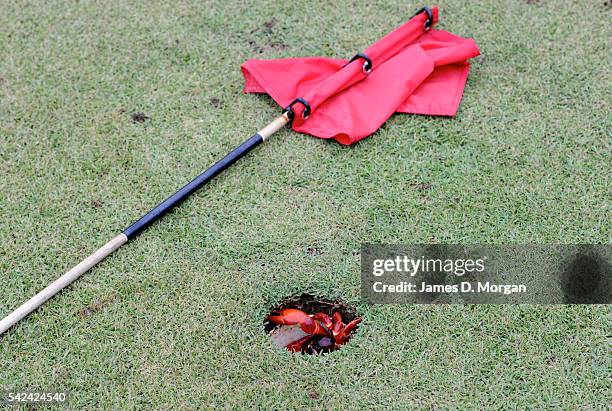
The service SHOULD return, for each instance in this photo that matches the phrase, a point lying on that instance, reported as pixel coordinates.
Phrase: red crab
(318, 332)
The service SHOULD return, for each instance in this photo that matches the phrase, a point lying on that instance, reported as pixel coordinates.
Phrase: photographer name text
(463, 287)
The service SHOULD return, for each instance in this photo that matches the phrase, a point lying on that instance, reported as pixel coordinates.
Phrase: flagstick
(144, 222)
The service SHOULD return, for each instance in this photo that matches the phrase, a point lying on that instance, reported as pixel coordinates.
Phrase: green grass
(174, 319)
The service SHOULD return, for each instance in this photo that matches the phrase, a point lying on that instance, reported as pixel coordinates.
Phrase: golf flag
(414, 69)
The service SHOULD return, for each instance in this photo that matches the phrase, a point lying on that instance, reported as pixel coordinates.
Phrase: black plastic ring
(367, 65)
(429, 21)
(291, 113)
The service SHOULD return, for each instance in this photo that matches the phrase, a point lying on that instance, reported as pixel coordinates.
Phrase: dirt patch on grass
(269, 47)
(313, 251)
(97, 306)
(216, 103)
(269, 25)
(423, 187)
(139, 117)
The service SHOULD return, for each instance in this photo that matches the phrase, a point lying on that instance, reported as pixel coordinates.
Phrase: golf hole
(311, 325)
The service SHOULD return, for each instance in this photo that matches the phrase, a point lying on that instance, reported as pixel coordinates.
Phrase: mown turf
(175, 318)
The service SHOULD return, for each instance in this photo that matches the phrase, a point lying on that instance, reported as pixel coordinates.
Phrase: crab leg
(324, 319)
(288, 316)
(296, 346)
(313, 327)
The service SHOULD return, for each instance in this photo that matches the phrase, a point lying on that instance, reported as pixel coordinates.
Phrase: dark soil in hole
(310, 304)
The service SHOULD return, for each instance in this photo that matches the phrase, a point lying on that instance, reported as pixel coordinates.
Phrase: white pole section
(62, 282)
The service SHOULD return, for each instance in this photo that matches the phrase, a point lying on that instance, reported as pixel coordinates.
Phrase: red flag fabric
(414, 70)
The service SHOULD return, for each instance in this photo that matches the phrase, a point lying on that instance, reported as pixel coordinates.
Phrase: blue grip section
(191, 187)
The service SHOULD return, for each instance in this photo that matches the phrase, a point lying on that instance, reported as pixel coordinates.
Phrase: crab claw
(297, 346)
(351, 326)
(324, 319)
(288, 316)
(337, 323)
(345, 333)
(313, 327)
